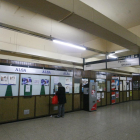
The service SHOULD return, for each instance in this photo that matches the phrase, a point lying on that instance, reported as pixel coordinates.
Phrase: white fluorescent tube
(119, 51)
(68, 44)
(111, 55)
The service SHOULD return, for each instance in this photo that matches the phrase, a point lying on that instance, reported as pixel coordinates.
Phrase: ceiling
(126, 15)
(124, 12)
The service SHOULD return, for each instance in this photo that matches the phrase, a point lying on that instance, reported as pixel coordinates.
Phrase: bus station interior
(103, 39)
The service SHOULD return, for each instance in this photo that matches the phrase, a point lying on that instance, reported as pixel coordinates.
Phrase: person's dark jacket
(61, 95)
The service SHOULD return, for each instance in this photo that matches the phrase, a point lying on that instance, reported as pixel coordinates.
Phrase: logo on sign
(20, 70)
(46, 72)
(66, 73)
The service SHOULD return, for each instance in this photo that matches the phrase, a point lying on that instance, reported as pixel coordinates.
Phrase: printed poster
(26, 81)
(102, 94)
(130, 93)
(67, 89)
(115, 84)
(127, 94)
(44, 82)
(4, 79)
(27, 89)
(113, 98)
(12, 79)
(67, 81)
(120, 85)
(76, 87)
(56, 80)
(36, 81)
(98, 98)
(117, 94)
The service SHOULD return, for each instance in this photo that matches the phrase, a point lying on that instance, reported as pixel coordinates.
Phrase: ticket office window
(101, 84)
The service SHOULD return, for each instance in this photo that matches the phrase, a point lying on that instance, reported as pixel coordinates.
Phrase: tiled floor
(116, 122)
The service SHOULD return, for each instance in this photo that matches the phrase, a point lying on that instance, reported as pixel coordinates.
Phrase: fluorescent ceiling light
(111, 55)
(69, 44)
(120, 51)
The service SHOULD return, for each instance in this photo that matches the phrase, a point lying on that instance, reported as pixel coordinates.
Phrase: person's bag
(55, 100)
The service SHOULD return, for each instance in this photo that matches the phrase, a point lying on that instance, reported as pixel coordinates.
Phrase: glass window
(101, 86)
(124, 85)
(120, 85)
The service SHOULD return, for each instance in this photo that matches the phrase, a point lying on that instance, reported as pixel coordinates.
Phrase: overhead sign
(33, 71)
(95, 66)
(126, 61)
(101, 76)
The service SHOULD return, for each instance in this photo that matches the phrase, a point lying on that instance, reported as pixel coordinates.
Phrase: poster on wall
(84, 82)
(120, 85)
(4, 79)
(98, 97)
(115, 84)
(130, 93)
(135, 84)
(113, 98)
(36, 81)
(44, 82)
(26, 81)
(67, 81)
(27, 88)
(117, 94)
(76, 87)
(102, 95)
(67, 89)
(56, 80)
(124, 85)
(131, 85)
(127, 94)
(12, 79)
(127, 85)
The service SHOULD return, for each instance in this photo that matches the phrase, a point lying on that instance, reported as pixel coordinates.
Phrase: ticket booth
(90, 97)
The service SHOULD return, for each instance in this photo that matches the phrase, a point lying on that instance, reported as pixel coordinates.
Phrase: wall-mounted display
(122, 78)
(9, 84)
(121, 85)
(98, 97)
(115, 77)
(135, 85)
(76, 87)
(4, 79)
(36, 81)
(113, 101)
(34, 85)
(12, 79)
(124, 85)
(117, 94)
(26, 81)
(44, 82)
(108, 86)
(130, 85)
(127, 85)
(127, 94)
(115, 84)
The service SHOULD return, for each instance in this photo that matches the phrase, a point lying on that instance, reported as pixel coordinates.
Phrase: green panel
(135, 95)
(124, 96)
(9, 91)
(42, 92)
(27, 93)
(108, 98)
(104, 99)
(121, 97)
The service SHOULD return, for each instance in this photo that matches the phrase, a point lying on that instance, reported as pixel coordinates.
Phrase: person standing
(61, 100)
